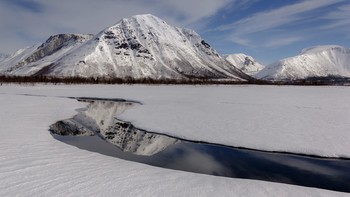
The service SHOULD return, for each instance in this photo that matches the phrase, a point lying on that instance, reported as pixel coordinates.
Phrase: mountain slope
(143, 46)
(3, 57)
(319, 61)
(30, 60)
(245, 63)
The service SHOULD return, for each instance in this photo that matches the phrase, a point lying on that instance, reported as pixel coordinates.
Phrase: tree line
(189, 81)
(103, 80)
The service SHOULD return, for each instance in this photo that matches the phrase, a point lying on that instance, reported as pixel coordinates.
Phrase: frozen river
(305, 120)
(110, 136)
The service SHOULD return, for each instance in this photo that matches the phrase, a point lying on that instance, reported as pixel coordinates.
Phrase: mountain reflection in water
(105, 134)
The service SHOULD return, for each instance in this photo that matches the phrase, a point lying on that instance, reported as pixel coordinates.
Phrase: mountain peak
(142, 46)
(59, 39)
(146, 16)
(245, 63)
(148, 19)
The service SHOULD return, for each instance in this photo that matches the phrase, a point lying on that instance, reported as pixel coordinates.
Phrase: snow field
(32, 163)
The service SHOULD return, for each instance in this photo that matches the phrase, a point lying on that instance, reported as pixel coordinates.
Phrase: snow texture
(319, 61)
(309, 120)
(142, 46)
(32, 163)
(3, 56)
(245, 63)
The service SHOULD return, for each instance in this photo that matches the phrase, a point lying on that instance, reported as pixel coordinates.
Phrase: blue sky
(268, 30)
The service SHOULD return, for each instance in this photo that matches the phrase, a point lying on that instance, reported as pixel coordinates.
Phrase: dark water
(332, 174)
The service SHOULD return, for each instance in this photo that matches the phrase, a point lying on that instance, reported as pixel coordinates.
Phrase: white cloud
(191, 11)
(240, 40)
(278, 42)
(267, 20)
(339, 18)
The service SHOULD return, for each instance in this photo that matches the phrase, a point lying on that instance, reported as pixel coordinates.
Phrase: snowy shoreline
(119, 100)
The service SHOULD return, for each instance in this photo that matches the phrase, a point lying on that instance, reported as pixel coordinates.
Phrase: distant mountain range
(316, 62)
(142, 46)
(145, 46)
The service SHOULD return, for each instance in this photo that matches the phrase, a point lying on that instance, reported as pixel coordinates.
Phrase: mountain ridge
(314, 62)
(142, 46)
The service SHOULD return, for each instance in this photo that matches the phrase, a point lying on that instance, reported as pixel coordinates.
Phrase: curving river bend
(98, 129)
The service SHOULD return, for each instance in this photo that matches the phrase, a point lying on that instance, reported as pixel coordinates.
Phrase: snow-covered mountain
(245, 63)
(319, 61)
(142, 46)
(32, 60)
